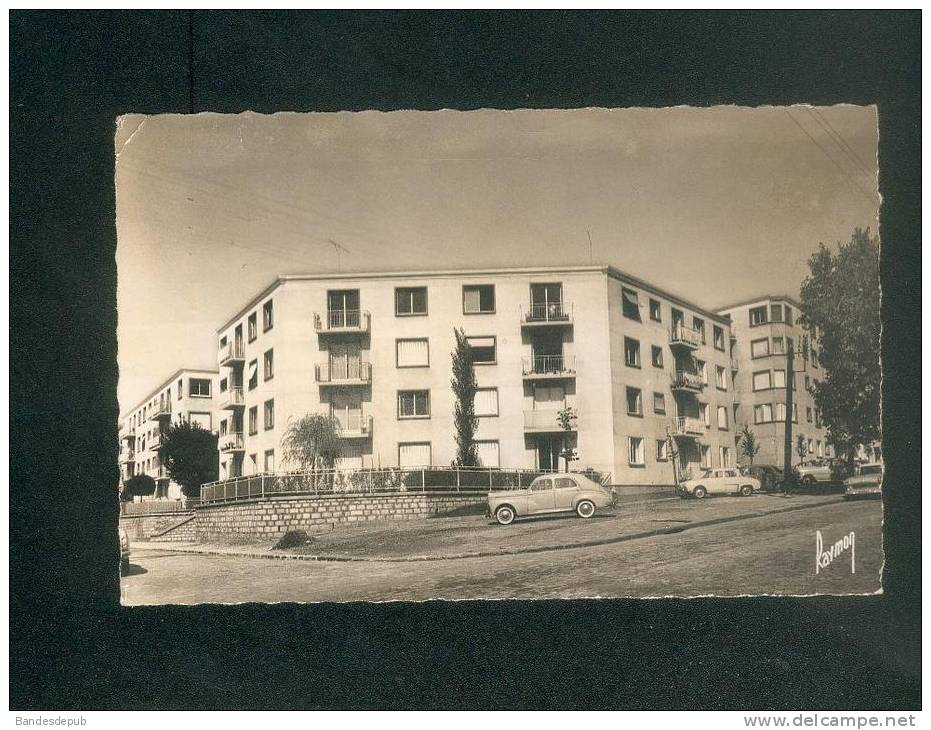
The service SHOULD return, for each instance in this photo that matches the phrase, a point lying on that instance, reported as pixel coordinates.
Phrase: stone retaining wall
(144, 527)
(276, 515)
(182, 531)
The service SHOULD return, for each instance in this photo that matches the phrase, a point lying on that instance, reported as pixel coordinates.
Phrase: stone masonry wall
(142, 528)
(277, 515)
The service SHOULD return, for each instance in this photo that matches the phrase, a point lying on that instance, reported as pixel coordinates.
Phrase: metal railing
(233, 351)
(557, 365)
(355, 320)
(155, 441)
(232, 442)
(687, 426)
(353, 371)
(127, 456)
(546, 420)
(157, 507)
(682, 335)
(354, 425)
(687, 380)
(160, 411)
(232, 397)
(543, 312)
(457, 480)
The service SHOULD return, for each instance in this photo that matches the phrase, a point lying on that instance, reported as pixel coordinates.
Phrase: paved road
(767, 555)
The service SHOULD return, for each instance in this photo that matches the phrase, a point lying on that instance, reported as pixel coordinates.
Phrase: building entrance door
(548, 450)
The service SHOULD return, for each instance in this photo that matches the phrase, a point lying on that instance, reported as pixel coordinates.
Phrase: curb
(492, 553)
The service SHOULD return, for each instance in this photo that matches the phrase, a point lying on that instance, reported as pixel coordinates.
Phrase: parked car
(124, 551)
(719, 481)
(812, 472)
(547, 494)
(866, 482)
(770, 477)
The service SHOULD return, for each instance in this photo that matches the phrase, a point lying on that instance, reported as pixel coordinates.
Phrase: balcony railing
(684, 380)
(342, 320)
(127, 456)
(232, 442)
(128, 436)
(546, 421)
(233, 354)
(555, 313)
(163, 410)
(232, 398)
(355, 425)
(685, 336)
(351, 373)
(686, 426)
(548, 366)
(155, 441)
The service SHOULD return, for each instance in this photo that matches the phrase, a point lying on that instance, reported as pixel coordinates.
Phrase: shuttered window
(414, 454)
(413, 353)
(487, 452)
(630, 304)
(761, 380)
(486, 402)
(483, 349)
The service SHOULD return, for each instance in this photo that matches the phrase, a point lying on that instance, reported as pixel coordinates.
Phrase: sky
(715, 204)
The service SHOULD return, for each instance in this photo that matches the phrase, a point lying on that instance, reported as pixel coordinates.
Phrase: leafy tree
(189, 453)
(312, 442)
(801, 447)
(464, 387)
(840, 298)
(141, 485)
(566, 418)
(748, 444)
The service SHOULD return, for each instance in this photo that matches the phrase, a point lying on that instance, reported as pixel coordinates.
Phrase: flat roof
(167, 382)
(762, 298)
(611, 271)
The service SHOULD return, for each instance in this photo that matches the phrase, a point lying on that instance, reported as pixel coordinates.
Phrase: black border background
(72, 646)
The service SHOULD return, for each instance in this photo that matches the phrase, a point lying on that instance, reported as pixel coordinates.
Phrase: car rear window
(565, 483)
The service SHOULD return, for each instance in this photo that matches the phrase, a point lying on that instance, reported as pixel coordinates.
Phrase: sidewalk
(473, 536)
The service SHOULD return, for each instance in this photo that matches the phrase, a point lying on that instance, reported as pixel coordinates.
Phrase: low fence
(156, 507)
(368, 481)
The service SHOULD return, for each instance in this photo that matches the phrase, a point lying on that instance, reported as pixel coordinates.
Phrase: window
(222, 385)
(718, 338)
(483, 350)
(811, 446)
(808, 415)
(761, 380)
(634, 402)
(820, 447)
(705, 456)
(253, 420)
(659, 404)
(478, 299)
(253, 327)
(814, 358)
(268, 365)
(413, 404)
(781, 412)
(775, 312)
(548, 397)
(722, 417)
(635, 450)
(630, 305)
(631, 353)
(656, 355)
(795, 413)
(414, 454)
(180, 388)
(759, 348)
(269, 414)
(487, 452)
(724, 455)
(779, 346)
(699, 326)
(662, 450)
(817, 418)
(704, 414)
(758, 316)
(720, 377)
(268, 315)
(788, 315)
(270, 461)
(204, 420)
(410, 301)
(486, 402)
(253, 463)
(541, 485)
(656, 313)
(762, 413)
(779, 378)
(223, 427)
(223, 342)
(702, 369)
(199, 387)
(253, 374)
(412, 353)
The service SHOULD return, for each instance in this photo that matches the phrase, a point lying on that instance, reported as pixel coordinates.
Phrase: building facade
(764, 331)
(645, 375)
(188, 395)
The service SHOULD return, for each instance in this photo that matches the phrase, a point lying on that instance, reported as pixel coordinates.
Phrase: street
(770, 554)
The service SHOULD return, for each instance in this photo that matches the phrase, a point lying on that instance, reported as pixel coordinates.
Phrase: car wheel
(505, 514)
(699, 492)
(746, 490)
(585, 509)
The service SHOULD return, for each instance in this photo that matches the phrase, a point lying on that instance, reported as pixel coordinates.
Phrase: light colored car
(866, 482)
(718, 481)
(124, 551)
(549, 494)
(811, 472)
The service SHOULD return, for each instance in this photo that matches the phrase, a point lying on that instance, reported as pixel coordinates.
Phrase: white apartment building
(188, 394)
(646, 373)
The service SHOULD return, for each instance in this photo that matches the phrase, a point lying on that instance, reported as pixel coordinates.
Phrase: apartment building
(764, 330)
(645, 373)
(187, 394)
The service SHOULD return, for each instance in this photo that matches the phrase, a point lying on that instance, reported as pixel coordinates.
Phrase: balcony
(542, 367)
(355, 426)
(545, 421)
(232, 399)
(127, 456)
(551, 314)
(232, 442)
(353, 373)
(128, 436)
(232, 355)
(161, 411)
(687, 382)
(687, 427)
(685, 337)
(155, 442)
(342, 321)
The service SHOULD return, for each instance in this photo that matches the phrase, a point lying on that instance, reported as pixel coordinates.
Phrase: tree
(840, 300)
(801, 447)
(189, 454)
(748, 444)
(565, 418)
(141, 485)
(464, 387)
(312, 442)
